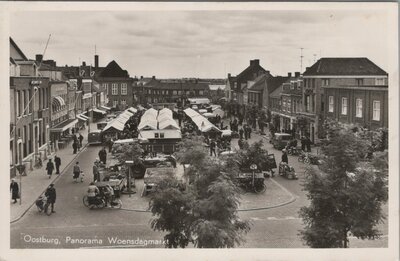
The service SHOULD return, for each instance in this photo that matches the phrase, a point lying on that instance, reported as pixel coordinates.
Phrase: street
(75, 226)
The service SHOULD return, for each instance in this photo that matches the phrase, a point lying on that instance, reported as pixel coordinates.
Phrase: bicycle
(252, 183)
(43, 204)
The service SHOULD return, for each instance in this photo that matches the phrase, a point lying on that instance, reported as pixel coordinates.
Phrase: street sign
(253, 166)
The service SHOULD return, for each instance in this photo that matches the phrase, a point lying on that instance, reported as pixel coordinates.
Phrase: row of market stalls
(202, 123)
(158, 131)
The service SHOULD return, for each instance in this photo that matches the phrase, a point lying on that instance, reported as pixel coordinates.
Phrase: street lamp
(20, 167)
(48, 139)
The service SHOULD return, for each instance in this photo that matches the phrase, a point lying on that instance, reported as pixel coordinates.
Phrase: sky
(204, 44)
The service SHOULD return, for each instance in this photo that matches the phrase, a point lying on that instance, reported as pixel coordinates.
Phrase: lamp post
(20, 167)
(48, 139)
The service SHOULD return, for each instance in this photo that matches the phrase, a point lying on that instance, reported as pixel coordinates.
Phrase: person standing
(285, 157)
(50, 168)
(14, 188)
(245, 131)
(110, 144)
(212, 148)
(241, 131)
(75, 146)
(57, 161)
(103, 155)
(51, 196)
(96, 173)
(80, 140)
(303, 143)
(308, 144)
(76, 171)
(249, 131)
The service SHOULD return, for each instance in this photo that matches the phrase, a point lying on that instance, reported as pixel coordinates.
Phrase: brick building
(351, 90)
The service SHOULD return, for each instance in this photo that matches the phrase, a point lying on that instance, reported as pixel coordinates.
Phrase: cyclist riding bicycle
(92, 193)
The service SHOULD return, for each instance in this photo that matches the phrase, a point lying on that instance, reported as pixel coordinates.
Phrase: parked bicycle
(252, 182)
(43, 205)
(100, 202)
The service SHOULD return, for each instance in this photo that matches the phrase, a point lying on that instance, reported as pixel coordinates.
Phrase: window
(115, 103)
(308, 106)
(359, 108)
(156, 135)
(123, 102)
(201, 92)
(330, 109)
(325, 82)
(344, 106)
(124, 89)
(380, 81)
(161, 135)
(114, 89)
(360, 82)
(376, 111)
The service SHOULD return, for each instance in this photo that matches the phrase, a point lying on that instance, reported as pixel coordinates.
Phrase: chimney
(229, 75)
(153, 77)
(141, 77)
(307, 68)
(267, 72)
(96, 61)
(83, 63)
(39, 58)
(255, 62)
(297, 74)
(289, 75)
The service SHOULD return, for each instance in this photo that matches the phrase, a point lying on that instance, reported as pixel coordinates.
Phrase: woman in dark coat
(14, 190)
(50, 168)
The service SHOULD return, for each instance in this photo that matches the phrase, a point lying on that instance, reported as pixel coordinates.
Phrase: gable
(113, 70)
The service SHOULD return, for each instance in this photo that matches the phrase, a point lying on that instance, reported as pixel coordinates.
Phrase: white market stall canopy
(118, 123)
(202, 123)
(159, 123)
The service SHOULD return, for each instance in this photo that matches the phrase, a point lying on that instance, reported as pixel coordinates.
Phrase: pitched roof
(259, 82)
(277, 92)
(17, 49)
(113, 70)
(344, 66)
(250, 68)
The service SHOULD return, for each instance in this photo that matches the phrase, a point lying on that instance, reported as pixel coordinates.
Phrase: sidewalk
(37, 180)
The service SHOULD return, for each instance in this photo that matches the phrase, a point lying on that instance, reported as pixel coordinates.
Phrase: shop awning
(87, 95)
(99, 111)
(58, 101)
(64, 125)
(105, 108)
(82, 117)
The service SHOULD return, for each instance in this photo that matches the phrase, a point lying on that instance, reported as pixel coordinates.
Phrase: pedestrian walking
(75, 146)
(57, 161)
(221, 125)
(96, 173)
(212, 148)
(103, 155)
(80, 140)
(241, 131)
(240, 143)
(51, 196)
(245, 131)
(50, 168)
(14, 188)
(76, 171)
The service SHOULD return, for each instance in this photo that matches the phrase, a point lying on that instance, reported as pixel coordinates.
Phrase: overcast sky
(202, 43)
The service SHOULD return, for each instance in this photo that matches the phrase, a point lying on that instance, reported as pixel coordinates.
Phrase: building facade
(346, 89)
(29, 118)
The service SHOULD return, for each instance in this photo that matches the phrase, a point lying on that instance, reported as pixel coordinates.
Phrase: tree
(345, 193)
(128, 152)
(253, 154)
(205, 212)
